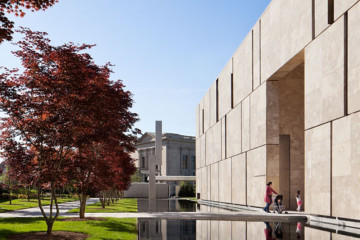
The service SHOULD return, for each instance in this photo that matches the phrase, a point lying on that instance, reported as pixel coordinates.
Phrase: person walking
(268, 196)
(298, 201)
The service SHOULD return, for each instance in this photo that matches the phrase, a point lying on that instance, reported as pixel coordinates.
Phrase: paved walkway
(35, 212)
(225, 215)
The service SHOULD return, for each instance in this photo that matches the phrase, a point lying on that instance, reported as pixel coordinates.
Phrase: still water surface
(227, 230)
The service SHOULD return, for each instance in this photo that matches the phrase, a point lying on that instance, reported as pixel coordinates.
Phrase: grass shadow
(116, 225)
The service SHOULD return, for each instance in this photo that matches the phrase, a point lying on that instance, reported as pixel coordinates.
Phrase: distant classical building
(178, 156)
(286, 109)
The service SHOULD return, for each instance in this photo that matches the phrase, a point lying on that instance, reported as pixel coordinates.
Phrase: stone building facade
(178, 156)
(286, 109)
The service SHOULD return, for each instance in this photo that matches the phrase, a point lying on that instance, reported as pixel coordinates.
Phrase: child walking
(298, 201)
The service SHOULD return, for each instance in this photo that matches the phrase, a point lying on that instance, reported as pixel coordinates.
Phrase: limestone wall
(297, 74)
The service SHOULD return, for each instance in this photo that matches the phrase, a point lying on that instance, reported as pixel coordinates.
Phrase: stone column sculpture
(153, 161)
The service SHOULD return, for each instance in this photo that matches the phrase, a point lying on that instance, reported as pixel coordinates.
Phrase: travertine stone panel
(206, 107)
(272, 163)
(346, 165)
(209, 179)
(245, 124)
(339, 236)
(256, 176)
(321, 16)
(225, 230)
(242, 64)
(353, 59)
(286, 28)
(341, 6)
(198, 153)
(214, 182)
(225, 89)
(197, 116)
(233, 132)
(213, 144)
(225, 181)
(324, 76)
(199, 230)
(212, 116)
(202, 157)
(223, 138)
(203, 229)
(272, 112)
(238, 230)
(255, 230)
(317, 170)
(214, 230)
(198, 180)
(238, 182)
(256, 55)
(217, 142)
(258, 117)
(204, 183)
(312, 233)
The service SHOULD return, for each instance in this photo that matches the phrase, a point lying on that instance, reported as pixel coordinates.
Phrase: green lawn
(23, 203)
(111, 228)
(123, 205)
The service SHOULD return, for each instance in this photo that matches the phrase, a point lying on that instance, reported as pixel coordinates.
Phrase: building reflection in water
(232, 230)
(166, 229)
(227, 230)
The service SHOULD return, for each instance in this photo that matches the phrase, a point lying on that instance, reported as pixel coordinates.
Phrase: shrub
(187, 190)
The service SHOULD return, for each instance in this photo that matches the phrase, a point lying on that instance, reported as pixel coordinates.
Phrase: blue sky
(167, 52)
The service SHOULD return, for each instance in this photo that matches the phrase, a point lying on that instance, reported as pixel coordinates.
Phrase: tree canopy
(67, 123)
(17, 7)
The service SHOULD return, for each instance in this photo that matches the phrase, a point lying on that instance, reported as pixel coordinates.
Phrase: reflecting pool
(233, 230)
(227, 230)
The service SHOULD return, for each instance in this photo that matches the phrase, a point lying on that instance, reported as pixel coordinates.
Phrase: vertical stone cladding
(321, 16)
(256, 39)
(224, 85)
(354, 60)
(238, 230)
(242, 70)
(286, 28)
(324, 76)
(341, 6)
(238, 135)
(317, 170)
(345, 166)
(233, 132)
(238, 179)
(225, 190)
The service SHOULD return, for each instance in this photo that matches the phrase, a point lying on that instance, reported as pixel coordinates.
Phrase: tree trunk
(102, 198)
(49, 219)
(50, 225)
(28, 194)
(82, 205)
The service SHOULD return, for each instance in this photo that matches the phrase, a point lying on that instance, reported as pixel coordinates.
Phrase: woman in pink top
(268, 196)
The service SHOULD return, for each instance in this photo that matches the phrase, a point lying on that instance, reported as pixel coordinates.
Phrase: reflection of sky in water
(226, 230)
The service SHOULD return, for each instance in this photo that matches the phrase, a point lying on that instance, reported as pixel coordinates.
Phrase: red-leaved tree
(16, 7)
(57, 109)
